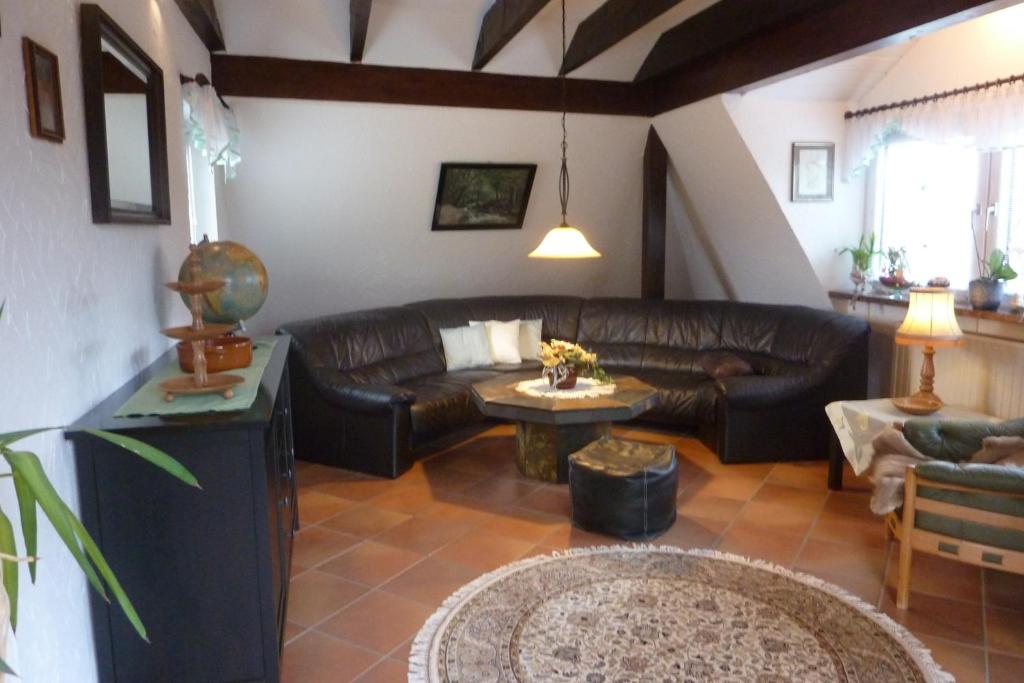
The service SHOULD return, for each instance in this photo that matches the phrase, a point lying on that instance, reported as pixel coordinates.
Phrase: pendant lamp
(564, 241)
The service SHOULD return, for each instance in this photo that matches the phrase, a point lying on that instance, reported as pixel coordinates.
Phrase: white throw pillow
(465, 347)
(503, 338)
(529, 338)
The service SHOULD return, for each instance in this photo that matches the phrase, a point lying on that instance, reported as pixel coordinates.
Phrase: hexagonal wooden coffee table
(549, 429)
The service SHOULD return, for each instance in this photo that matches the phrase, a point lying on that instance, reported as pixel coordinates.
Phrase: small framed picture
(42, 85)
(813, 170)
(482, 196)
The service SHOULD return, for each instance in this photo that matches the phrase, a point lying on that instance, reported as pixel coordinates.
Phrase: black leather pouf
(624, 488)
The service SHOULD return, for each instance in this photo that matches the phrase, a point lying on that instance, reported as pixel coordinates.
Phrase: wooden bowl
(222, 353)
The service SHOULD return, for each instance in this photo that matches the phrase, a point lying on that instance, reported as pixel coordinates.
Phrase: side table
(857, 422)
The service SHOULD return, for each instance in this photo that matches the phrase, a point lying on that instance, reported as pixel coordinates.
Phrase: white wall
(980, 50)
(748, 249)
(337, 199)
(84, 302)
(769, 127)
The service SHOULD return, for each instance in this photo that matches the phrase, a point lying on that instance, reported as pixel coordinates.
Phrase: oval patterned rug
(643, 613)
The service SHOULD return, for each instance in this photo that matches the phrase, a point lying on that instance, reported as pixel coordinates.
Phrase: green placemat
(149, 400)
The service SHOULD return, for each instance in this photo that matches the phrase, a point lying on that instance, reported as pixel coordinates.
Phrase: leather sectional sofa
(369, 388)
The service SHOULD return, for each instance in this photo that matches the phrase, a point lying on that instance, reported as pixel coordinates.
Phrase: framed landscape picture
(42, 84)
(813, 170)
(482, 196)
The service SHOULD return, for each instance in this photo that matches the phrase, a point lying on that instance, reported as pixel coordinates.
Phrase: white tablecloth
(857, 422)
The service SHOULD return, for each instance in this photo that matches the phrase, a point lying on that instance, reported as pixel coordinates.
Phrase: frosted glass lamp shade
(564, 242)
(930, 319)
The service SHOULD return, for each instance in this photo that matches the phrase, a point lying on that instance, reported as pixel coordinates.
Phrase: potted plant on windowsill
(861, 255)
(986, 292)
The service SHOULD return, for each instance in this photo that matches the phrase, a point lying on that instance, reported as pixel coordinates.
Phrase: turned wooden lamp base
(924, 402)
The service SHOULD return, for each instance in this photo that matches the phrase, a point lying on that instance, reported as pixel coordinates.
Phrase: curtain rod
(932, 98)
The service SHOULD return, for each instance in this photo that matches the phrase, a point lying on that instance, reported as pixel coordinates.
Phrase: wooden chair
(971, 513)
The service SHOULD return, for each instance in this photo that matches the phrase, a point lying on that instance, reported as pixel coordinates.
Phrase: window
(202, 196)
(926, 197)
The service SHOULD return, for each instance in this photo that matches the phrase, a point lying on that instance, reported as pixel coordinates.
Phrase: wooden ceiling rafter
(821, 33)
(358, 24)
(202, 16)
(608, 25)
(500, 24)
(240, 76)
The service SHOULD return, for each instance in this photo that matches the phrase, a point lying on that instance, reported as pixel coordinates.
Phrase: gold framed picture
(42, 85)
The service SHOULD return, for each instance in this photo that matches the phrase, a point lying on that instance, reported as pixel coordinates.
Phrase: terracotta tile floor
(374, 557)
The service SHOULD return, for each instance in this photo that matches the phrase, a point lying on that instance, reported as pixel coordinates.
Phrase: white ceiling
(442, 34)
(439, 34)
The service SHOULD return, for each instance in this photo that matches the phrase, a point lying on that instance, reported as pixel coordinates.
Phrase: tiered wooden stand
(200, 382)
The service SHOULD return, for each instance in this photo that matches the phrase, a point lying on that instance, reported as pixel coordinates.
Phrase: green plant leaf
(10, 437)
(995, 261)
(28, 467)
(5, 668)
(1007, 273)
(150, 454)
(108, 575)
(10, 547)
(29, 524)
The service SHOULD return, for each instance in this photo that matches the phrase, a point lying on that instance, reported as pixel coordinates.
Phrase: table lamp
(930, 322)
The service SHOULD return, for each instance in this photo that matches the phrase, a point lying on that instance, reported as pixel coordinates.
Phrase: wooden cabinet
(206, 569)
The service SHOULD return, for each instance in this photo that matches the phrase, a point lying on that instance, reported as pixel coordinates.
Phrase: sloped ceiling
(439, 34)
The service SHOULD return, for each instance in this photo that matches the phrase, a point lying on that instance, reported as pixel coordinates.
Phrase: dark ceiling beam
(358, 23)
(721, 26)
(501, 23)
(202, 15)
(241, 76)
(832, 32)
(610, 23)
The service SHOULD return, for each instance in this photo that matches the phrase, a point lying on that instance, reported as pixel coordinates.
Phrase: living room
(513, 340)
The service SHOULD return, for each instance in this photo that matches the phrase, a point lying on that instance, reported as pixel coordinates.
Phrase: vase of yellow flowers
(564, 362)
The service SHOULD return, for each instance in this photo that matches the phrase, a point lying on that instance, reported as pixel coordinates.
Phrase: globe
(245, 277)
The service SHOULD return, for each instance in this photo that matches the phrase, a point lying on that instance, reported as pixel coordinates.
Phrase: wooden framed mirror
(126, 129)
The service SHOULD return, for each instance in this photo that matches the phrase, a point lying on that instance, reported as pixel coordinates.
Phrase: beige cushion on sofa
(503, 339)
(465, 347)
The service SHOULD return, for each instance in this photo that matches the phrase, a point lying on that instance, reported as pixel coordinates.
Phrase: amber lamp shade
(931, 323)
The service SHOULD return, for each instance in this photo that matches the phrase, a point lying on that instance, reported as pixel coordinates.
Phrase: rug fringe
(422, 647)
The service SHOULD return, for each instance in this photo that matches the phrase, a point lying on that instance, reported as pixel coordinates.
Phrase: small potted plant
(564, 362)
(861, 255)
(986, 292)
(895, 277)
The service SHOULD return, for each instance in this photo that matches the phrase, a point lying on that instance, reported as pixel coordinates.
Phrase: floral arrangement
(569, 356)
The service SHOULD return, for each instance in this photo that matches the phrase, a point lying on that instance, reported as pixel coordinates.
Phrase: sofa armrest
(364, 398)
(750, 392)
(994, 478)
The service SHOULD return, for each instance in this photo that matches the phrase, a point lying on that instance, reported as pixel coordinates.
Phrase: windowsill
(1003, 315)
(886, 313)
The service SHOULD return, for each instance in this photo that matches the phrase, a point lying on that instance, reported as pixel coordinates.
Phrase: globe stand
(200, 381)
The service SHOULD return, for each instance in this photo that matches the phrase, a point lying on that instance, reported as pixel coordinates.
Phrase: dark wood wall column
(652, 262)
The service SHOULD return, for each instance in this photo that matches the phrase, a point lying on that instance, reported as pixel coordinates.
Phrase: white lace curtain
(211, 127)
(987, 119)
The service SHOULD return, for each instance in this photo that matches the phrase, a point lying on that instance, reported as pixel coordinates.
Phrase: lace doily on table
(585, 388)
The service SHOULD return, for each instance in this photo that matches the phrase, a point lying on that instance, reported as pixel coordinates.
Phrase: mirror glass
(124, 98)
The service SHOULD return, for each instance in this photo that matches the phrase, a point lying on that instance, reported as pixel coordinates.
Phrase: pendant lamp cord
(563, 176)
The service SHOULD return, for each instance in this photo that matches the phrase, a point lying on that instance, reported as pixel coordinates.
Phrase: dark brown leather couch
(370, 387)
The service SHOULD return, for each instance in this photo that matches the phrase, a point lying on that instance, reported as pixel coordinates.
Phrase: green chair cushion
(992, 477)
(1004, 478)
(955, 440)
(971, 531)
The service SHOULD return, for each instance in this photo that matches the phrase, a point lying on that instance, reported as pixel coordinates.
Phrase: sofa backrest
(560, 313)
(376, 346)
(631, 333)
(391, 345)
